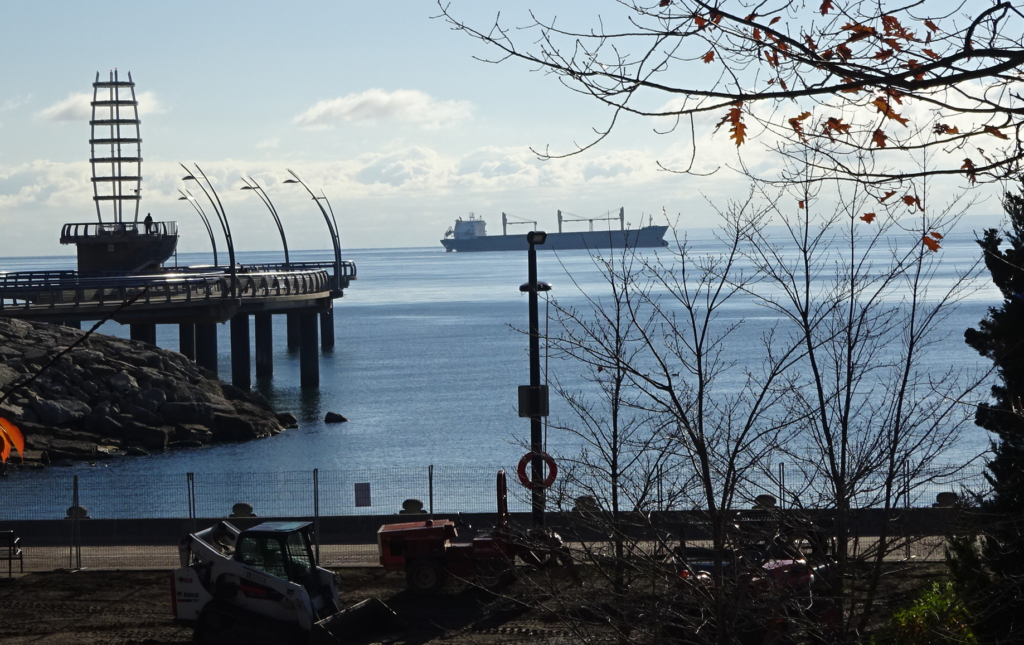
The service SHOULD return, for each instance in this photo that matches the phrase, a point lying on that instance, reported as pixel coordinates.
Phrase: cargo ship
(470, 235)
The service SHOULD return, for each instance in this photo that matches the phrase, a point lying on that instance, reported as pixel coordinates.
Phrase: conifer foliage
(1000, 337)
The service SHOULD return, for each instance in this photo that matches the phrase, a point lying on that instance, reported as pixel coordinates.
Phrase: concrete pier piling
(294, 333)
(187, 340)
(146, 332)
(309, 355)
(327, 326)
(264, 328)
(206, 346)
(241, 372)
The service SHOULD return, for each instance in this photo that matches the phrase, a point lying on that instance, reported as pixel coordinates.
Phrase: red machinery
(429, 550)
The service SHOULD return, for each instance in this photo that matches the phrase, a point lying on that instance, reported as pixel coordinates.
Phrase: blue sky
(382, 107)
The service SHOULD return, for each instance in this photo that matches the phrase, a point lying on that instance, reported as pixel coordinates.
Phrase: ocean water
(429, 355)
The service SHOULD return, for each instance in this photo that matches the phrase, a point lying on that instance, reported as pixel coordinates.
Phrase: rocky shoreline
(109, 396)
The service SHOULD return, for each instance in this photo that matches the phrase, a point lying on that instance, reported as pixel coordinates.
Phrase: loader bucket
(363, 618)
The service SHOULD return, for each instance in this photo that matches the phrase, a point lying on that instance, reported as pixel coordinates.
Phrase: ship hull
(644, 238)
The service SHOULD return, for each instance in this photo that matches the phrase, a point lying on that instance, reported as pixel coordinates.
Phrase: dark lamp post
(187, 197)
(222, 216)
(535, 403)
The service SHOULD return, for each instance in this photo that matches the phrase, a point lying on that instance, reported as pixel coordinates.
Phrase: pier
(196, 299)
(121, 274)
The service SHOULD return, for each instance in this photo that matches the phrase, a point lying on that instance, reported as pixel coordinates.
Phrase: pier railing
(66, 289)
(72, 232)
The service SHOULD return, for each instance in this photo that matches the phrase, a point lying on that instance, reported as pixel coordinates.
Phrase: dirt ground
(133, 607)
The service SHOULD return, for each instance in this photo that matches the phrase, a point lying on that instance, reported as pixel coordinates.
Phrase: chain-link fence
(111, 520)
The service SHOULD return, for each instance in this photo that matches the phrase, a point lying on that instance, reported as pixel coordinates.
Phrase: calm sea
(428, 359)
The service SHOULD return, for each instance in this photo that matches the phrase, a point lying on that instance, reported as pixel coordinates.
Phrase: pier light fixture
(222, 216)
(250, 184)
(332, 223)
(536, 237)
(187, 197)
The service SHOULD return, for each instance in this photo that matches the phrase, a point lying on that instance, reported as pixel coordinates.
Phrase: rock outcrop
(111, 396)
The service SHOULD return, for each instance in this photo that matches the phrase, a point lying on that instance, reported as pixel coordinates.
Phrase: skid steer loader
(262, 585)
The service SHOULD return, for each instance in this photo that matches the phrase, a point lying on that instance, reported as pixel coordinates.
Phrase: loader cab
(281, 549)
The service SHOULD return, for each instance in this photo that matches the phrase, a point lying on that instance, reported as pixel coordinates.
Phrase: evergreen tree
(1000, 337)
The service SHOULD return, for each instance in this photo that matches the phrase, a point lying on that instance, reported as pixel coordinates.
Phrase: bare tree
(671, 395)
(863, 293)
(858, 76)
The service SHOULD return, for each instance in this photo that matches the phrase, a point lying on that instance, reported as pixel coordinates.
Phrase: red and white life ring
(552, 470)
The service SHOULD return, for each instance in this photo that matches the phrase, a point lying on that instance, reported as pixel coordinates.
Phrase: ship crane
(505, 223)
(621, 218)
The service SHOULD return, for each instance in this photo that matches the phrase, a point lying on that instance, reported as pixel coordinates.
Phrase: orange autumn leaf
(10, 436)
(882, 54)
(932, 244)
(826, 6)
(887, 111)
(701, 23)
(800, 204)
(708, 57)
(795, 123)
(735, 118)
(911, 200)
(858, 32)
(886, 196)
(912, 64)
(811, 45)
(844, 52)
(774, 20)
(879, 138)
(931, 25)
(942, 128)
(664, 3)
(936, 235)
(995, 132)
(969, 169)
(868, 217)
(931, 53)
(833, 124)
(757, 34)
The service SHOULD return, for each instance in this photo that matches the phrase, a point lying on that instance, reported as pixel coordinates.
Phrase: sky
(380, 105)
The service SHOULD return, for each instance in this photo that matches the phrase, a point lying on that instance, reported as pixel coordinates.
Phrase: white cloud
(15, 103)
(269, 143)
(402, 106)
(77, 107)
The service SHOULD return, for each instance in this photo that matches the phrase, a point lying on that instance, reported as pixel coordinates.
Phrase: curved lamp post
(218, 208)
(332, 224)
(187, 196)
(251, 184)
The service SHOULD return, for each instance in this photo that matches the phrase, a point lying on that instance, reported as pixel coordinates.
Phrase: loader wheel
(493, 574)
(425, 575)
(212, 626)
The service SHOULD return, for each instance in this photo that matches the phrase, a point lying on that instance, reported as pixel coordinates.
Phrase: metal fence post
(906, 506)
(316, 514)
(430, 484)
(782, 483)
(190, 487)
(75, 552)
